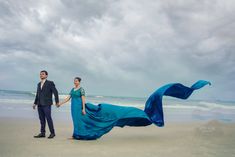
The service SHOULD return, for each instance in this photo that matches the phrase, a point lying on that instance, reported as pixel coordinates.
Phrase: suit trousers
(44, 113)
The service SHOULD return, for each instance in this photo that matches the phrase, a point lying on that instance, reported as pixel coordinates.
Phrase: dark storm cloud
(119, 47)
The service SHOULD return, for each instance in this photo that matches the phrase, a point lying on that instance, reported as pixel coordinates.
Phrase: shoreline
(63, 113)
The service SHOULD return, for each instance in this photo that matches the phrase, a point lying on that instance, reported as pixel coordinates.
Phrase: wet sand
(204, 139)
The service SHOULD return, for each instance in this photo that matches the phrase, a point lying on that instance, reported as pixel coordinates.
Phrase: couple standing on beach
(43, 101)
(91, 121)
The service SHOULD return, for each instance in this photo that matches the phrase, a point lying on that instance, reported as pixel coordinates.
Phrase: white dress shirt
(42, 82)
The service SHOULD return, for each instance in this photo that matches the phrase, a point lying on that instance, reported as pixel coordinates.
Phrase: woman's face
(76, 82)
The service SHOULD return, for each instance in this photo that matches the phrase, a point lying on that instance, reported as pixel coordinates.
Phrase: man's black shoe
(51, 136)
(41, 135)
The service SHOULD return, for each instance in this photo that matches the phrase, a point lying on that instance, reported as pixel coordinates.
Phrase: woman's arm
(83, 105)
(65, 100)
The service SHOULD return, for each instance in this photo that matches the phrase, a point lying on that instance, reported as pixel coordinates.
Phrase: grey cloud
(119, 47)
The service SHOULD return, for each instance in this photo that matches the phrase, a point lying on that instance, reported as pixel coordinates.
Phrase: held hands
(83, 111)
(58, 105)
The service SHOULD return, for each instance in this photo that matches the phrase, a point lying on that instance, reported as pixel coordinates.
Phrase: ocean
(19, 104)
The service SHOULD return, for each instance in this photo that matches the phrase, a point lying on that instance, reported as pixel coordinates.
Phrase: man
(43, 101)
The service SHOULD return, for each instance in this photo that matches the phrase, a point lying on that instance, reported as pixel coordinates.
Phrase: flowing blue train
(101, 118)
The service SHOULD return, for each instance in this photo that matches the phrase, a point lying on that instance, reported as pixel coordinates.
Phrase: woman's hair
(78, 78)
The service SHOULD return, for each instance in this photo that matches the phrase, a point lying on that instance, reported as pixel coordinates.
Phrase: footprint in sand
(212, 128)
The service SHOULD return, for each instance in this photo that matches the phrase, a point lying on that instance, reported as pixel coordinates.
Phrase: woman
(92, 121)
(77, 94)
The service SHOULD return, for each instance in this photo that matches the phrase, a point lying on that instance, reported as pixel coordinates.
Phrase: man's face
(43, 75)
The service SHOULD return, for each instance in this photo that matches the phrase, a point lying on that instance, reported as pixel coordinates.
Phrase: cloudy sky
(119, 47)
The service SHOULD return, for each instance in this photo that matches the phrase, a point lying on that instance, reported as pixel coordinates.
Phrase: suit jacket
(44, 95)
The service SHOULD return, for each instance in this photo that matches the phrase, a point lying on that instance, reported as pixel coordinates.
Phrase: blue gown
(100, 119)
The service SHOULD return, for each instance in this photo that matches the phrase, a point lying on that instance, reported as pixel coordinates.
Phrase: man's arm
(36, 99)
(55, 92)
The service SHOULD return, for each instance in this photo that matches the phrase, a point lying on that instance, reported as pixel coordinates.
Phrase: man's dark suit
(44, 101)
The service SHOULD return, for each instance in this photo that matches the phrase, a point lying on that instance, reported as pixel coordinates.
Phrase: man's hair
(78, 78)
(44, 71)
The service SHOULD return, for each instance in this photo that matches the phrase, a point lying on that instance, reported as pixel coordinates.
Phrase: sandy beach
(200, 131)
(204, 139)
